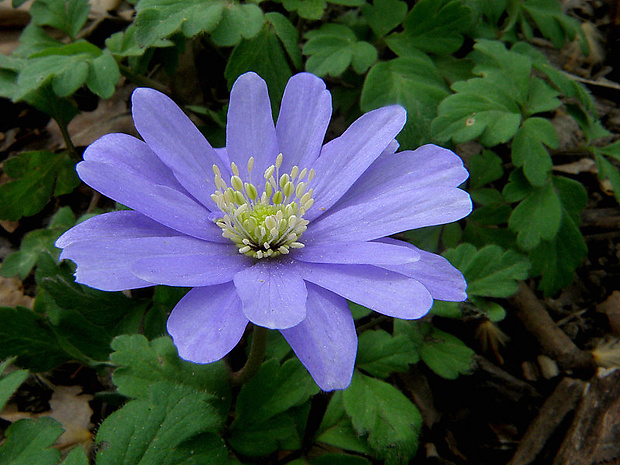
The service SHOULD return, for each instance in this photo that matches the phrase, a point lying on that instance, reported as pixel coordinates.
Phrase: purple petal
(273, 294)
(108, 268)
(356, 252)
(381, 290)
(303, 119)
(133, 155)
(325, 342)
(177, 142)
(163, 204)
(110, 263)
(403, 191)
(437, 274)
(193, 268)
(207, 323)
(343, 160)
(249, 130)
(125, 223)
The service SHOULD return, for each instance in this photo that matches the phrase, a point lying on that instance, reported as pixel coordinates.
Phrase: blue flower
(276, 228)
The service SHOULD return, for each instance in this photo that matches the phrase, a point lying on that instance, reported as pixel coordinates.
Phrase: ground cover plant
(98, 345)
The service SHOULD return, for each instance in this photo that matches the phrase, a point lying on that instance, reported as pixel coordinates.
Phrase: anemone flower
(276, 229)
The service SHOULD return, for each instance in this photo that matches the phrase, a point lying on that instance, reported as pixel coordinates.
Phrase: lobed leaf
(171, 424)
(308, 9)
(264, 418)
(227, 22)
(69, 15)
(142, 363)
(384, 15)
(529, 152)
(446, 355)
(29, 441)
(382, 413)
(414, 83)
(26, 336)
(333, 48)
(10, 382)
(380, 354)
(490, 271)
(433, 26)
(36, 176)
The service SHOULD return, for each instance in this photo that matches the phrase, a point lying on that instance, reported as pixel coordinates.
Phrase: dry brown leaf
(70, 408)
(584, 165)
(12, 293)
(611, 308)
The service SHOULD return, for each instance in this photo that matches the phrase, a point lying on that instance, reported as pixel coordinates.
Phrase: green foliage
(379, 353)
(29, 441)
(385, 417)
(26, 335)
(307, 9)
(266, 55)
(433, 26)
(170, 424)
(69, 16)
(443, 353)
(10, 382)
(334, 47)
(226, 22)
(490, 271)
(268, 413)
(36, 176)
(413, 82)
(67, 68)
(528, 149)
(141, 363)
(384, 15)
(550, 20)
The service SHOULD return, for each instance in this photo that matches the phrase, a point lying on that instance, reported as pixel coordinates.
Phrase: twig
(553, 341)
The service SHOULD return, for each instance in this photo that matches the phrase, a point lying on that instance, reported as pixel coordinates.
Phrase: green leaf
(490, 271)
(541, 97)
(412, 82)
(29, 442)
(308, 9)
(537, 217)
(287, 33)
(125, 44)
(388, 418)
(606, 170)
(433, 26)
(159, 427)
(67, 15)
(529, 152)
(36, 242)
(557, 259)
(264, 55)
(484, 168)
(26, 335)
(9, 383)
(561, 80)
(67, 68)
(333, 47)
(336, 428)
(227, 22)
(380, 354)
(551, 20)
(446, 355)
(142, 363)
(512, 69)
(76, 457)
(384, 15)
(263, 422)
(339, 459)
(36, 176)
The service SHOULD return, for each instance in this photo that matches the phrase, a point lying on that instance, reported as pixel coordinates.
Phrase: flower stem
(255, 358)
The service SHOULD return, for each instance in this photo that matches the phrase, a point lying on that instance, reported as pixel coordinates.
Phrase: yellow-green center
(268, 223)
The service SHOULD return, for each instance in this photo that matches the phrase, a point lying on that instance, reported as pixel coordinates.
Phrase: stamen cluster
(269, 223)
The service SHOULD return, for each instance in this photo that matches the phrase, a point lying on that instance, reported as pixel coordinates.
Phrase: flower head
(276, 228)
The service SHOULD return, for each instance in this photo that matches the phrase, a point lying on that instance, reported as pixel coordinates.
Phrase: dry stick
(561, 402)
(553, 341)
